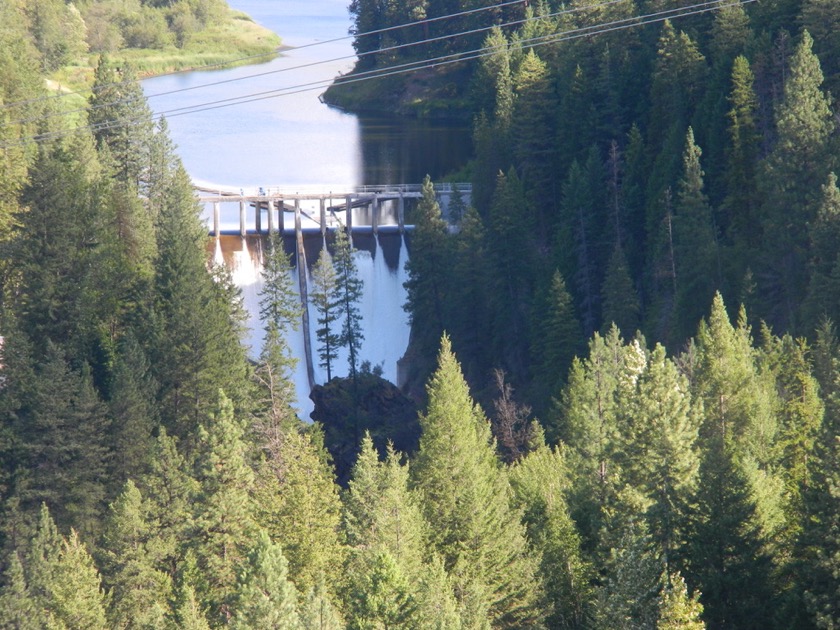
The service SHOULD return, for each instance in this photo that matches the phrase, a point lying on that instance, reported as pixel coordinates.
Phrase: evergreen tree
(63, 431)
(532, 131)
(265, 598)
(589, 410)
(224, 525)
(323, 295)
(139, 591)
(818, 549)
(556, 339)
(824, 292)
(660, 446)
(76, 598)
(133, 410)
(18, 609)
(577, 244)
(627, 599)
(471, 319)
(695, 244)
(467, 496)
(737, 401)
(280, 313)
(793, 172)
(188, 613)
(740, 206)
(619, 299)
(677, 609)
(317, 612)
(121, 119)
(382, 513)
(309, 513)
(380, 597)
(427, 287)
(540, 482)
(349, 289)
(728, 561)
(196, 349)
(279, 306)
(509, 230)
(170, 492)
(678, 77)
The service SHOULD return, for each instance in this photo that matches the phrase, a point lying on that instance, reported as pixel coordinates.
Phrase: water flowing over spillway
(381, 266)
(296, 141)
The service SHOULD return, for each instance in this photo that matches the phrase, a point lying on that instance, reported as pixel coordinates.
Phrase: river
(295, 139)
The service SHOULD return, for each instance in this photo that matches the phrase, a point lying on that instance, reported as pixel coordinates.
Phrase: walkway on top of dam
(332, 200)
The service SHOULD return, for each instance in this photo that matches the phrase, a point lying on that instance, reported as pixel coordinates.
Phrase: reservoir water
(293, 139)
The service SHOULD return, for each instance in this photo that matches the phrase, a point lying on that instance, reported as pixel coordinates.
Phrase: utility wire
(274, 53)
(587, 31)
(316, 63)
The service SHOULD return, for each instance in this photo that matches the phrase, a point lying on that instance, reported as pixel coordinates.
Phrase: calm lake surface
(293, 138)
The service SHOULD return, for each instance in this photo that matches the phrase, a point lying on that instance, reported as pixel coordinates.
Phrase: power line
(587, 31)
(273, 53)
(323, 62)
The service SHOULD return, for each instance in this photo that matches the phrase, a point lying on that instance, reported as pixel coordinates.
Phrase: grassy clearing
(236, 38)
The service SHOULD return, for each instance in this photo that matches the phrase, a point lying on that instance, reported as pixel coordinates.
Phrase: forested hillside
(674, 179)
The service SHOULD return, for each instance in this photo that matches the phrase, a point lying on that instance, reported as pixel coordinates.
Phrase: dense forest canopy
(631, 414)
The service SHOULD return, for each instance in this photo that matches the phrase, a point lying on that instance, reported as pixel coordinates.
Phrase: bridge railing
(326, 189)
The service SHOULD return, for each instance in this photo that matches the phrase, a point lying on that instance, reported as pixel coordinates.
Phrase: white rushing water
(384, 322)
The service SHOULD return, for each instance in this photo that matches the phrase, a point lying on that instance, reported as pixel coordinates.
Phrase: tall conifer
(466, 494)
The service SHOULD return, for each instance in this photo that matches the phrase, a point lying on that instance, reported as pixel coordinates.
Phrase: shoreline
(237, 41)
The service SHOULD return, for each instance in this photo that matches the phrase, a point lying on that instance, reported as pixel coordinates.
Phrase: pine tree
(170, 492)
(589, 410)
(532, 131)
(466, 495)
(280, 313)
(349, 289)
(76, 598)
(627, 598)
(279, 305)
(265, 598)
(189, 614)
(139, 591)
(660, 452)
(196, 349)
(509, 238)
(619, 299)
(380, 512)
(695, 244)
(63, 431)
(824, 291)
(540, 482)
(224, 524)
(577, 243)
(737, 400)
(556, 339)
(740, 206)
(121, 118)
(133, 410)
(427, 287)
(381, 596)
(18, 609)
(309, 513)
(791, 178)
(317, 611)
(323, 296)
(471, 319)
(728, 561)
(677, 609)
(678, 76)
